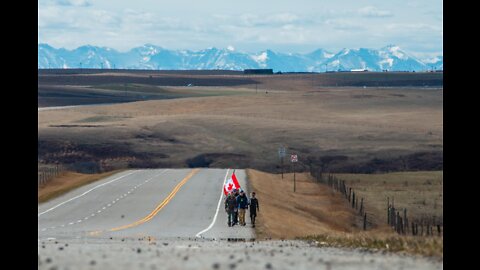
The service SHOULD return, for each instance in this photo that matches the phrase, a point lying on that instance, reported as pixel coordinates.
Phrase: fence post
(365, 221)
(438, 229)
(353, 199)
(393, 217)
(388, 210)
(413, 229)
(398, 222)
(405, 219)
(402, 231)
(361, 206)
(388, 216)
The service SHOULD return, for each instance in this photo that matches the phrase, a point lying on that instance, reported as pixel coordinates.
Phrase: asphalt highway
(160, 203)
(175, 219)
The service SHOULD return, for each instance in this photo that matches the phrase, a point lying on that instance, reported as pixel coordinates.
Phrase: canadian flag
(231, 184)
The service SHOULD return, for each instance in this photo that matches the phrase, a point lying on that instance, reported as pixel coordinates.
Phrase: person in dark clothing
(236, 193)
(242, 202)
(254, 206)
(230, 206)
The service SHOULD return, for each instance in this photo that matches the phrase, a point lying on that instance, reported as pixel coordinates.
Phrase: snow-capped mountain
(149, 56)
(390, 58)
(435, 63)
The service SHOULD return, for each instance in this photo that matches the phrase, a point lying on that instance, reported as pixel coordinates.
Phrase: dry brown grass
(312, 209)
(66, 182)
(421, 193)
(333, 121)
(425, 246)
(315, 213)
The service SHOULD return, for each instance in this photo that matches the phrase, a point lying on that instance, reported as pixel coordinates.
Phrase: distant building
(258, 71)
(359, 70)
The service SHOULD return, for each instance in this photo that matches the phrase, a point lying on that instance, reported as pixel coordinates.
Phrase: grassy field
(246, 130)
(243, 122)
(311, 209)
(66, 182)
(421, 193)
(315, 213)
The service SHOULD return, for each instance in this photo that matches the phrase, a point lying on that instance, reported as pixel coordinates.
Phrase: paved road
(161, 203)
(168, 219)
(73, 106)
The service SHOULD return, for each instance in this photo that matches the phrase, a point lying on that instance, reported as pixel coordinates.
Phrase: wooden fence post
(388, 216)
(365, 221)
(413, 229)
(402, 231)
(361, 206)
(438, 229)
(353, 199)
(405, 219)
(398, 222)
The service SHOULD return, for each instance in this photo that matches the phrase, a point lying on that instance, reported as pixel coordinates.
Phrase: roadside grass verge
(424, 246)
(68, 181)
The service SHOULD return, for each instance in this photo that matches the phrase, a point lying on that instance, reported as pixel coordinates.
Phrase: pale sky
(250, 25)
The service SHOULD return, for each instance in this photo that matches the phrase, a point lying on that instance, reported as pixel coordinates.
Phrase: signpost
(281, 155)
(294, 159)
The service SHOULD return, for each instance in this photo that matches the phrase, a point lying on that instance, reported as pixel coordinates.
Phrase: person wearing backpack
(230, 206)
(236, 193)
(242, 202)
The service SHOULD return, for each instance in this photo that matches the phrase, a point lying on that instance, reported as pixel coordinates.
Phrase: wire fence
(46, 174)
(337, 185)
(424, 226)
(396, 218)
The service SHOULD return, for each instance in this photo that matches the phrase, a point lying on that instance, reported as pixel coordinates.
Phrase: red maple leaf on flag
(232, 183)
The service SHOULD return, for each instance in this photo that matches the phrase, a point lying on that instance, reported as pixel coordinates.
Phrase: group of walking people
(237, 203)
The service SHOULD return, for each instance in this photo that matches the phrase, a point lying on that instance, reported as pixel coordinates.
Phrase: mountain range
(149, 56)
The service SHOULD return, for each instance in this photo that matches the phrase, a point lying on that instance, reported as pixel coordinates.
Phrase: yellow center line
(160, 206)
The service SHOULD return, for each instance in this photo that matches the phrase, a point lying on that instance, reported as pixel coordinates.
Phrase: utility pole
(325, 68)
(256, 87)
(294, 159)
(281, 154)
(294, 177)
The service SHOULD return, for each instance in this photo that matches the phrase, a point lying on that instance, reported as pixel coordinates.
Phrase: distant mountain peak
(150, 56)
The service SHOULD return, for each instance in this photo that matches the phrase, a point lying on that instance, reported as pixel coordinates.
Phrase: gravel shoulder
(194, 253)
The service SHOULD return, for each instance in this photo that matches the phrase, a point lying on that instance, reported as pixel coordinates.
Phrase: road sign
(293, 158)
(281, 152)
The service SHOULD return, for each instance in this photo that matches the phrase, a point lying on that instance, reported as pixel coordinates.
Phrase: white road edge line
(76, 197)
(218, 207)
